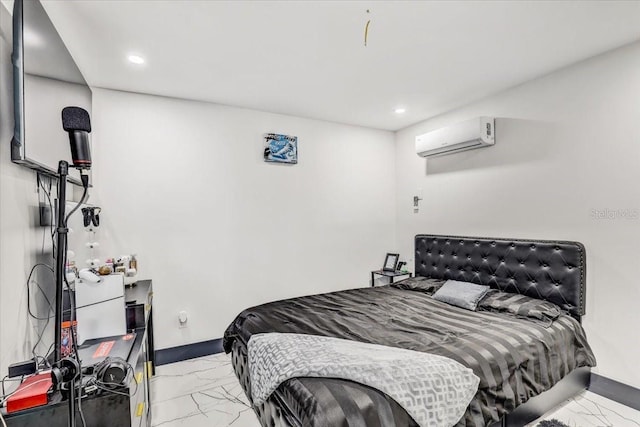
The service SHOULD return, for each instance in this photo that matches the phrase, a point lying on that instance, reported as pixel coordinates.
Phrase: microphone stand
(65, 370)
(61, 234)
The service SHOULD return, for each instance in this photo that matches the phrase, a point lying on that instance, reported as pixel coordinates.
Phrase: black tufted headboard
(543, 269)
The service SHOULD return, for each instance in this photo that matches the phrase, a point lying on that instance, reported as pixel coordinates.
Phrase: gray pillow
(521, 306)
(461, 294)
(421, 284)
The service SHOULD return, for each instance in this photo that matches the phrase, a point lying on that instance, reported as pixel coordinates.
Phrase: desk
(390, 274)
(129, 409)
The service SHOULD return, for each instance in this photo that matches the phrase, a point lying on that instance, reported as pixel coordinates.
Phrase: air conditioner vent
(476, 133)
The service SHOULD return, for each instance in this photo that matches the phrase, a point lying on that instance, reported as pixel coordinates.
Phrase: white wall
(567, 144)
(21, 241)
(183, 184)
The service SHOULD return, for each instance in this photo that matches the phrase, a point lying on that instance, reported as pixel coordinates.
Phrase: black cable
(52, 227)
(82, 200)
(6, 395)
(50, 306)
(52, 233)
(68, 310)
(112, 387)
(111, 391)
(42, 361)
(6, 378)
(40, 264)
(41, 185)
(50, 202)
(106, 386)
(40, 209)
(46, 356)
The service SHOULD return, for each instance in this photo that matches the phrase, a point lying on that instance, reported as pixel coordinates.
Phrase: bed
(525, 367)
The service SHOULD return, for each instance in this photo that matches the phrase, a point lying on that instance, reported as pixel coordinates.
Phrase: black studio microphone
(76, 121)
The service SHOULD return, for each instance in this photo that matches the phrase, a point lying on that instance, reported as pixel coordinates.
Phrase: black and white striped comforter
(514, 358)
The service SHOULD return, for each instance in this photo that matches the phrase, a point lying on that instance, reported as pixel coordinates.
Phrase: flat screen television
(45, 80)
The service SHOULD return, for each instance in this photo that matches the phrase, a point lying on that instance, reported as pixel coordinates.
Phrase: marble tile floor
(592, 410)
(204, 392)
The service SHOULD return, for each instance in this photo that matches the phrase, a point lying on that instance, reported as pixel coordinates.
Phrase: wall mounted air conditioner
(476, 133)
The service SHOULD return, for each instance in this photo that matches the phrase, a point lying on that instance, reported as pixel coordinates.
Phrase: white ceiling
(307, 58)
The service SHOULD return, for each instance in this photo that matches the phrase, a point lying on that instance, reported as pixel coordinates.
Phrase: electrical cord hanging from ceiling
(366, 30)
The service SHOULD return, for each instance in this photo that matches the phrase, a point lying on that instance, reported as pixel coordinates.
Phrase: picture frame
(280, 148)
(391, 262)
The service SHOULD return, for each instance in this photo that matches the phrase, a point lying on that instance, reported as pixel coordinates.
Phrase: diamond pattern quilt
(434, 390)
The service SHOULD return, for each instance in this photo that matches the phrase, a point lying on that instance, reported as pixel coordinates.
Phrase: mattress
(514, 358)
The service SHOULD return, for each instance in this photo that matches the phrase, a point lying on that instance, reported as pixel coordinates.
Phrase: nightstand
(390, 274)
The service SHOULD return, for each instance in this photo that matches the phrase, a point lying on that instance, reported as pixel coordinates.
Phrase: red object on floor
(32, 392)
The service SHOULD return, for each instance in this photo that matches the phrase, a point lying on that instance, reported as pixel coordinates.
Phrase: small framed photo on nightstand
(390, 262)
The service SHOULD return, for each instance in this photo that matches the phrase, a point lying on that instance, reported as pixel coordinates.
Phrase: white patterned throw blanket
(434, 390)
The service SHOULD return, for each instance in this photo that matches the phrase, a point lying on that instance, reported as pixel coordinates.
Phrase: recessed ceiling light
(136, 59)
(400, 110)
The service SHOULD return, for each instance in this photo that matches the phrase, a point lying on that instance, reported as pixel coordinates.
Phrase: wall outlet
(182, 319)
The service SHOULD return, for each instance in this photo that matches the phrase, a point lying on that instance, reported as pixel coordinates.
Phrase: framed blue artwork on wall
(280, 148)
